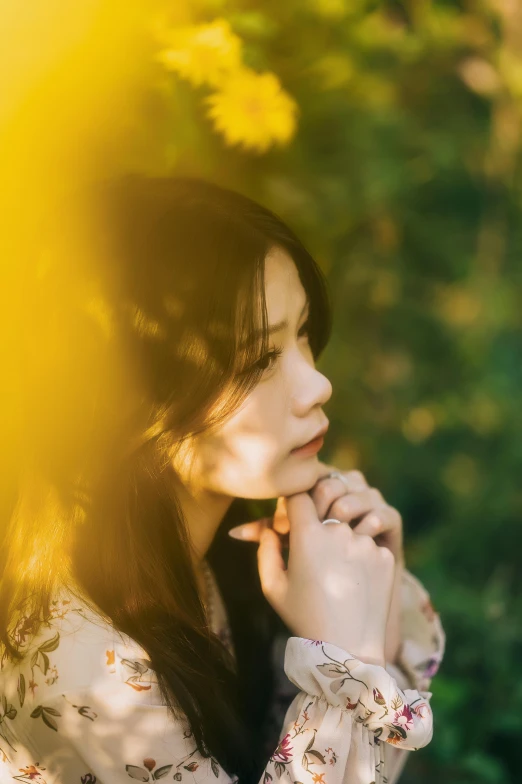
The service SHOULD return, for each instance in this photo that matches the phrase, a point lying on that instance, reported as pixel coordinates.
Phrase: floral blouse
(83, 705)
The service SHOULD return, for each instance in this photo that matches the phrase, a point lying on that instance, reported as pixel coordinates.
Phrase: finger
(370, 525)
(355, 477)
(353, 480)
(302, 516)
(328, 489)
(250, 532)
(271, 566)
(357, 480)
(281, 521)
(349, 507)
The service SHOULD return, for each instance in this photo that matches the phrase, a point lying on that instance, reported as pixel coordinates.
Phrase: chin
(302, 478)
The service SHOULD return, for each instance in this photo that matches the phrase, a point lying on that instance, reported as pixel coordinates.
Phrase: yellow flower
(253, 110)
(203, 53)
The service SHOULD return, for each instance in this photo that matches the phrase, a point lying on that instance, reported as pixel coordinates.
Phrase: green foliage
(404, 180)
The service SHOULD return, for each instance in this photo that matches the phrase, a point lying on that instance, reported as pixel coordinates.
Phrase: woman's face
(250, 455)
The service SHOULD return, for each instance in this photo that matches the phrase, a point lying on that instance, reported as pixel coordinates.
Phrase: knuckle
(386, 555)
(322, 492)
(342, 507)
(351, 507)
(350, 502)
(357, 476)
(374, 526)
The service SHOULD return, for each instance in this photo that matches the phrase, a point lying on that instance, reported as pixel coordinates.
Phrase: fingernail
(237, 533)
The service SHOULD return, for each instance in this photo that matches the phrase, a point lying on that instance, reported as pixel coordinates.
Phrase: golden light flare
(69, 105)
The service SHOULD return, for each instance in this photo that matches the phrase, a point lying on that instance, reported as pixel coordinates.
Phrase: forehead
(283, 288)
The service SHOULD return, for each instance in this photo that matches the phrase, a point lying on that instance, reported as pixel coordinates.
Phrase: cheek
(249, 456)
(244, 458)
(241, 459)
(251, 466)
(257, 434)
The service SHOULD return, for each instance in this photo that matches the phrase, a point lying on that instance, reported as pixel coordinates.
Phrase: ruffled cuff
(422, 637)
(367, 691)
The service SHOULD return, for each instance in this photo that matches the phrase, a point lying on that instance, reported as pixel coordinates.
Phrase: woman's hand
(364, 508)
(337, 587)
(352, 500)
(347, 501)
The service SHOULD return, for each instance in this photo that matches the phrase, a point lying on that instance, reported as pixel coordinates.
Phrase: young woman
(142, 642)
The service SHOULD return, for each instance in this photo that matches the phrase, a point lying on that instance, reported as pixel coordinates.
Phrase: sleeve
(421, 652)
(122, 732)
(333, 732)
(345, 713)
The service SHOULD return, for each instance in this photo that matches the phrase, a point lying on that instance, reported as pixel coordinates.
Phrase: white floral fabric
(84, 707)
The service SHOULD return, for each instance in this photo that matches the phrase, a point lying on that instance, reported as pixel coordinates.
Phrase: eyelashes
(269, 359)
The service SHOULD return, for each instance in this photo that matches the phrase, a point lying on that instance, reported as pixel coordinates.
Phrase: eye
(269, 359)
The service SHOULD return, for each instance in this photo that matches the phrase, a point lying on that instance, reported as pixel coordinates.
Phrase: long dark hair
(179, 283)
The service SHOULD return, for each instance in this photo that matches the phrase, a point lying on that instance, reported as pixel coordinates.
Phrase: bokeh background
(388, 134)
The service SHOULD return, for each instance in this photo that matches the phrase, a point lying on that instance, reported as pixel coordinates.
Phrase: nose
(311, 389)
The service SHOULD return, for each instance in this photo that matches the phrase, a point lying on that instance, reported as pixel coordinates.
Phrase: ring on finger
(338, 475)
(331, 520)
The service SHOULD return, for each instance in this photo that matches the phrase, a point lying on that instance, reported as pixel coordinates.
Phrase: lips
(319, 434)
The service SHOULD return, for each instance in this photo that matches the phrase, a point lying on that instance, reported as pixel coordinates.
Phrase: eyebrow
(277, 326)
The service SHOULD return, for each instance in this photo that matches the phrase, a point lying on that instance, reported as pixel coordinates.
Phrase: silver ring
(338, 475)
(330, 520)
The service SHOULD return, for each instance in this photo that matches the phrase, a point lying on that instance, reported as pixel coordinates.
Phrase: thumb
(271, 566)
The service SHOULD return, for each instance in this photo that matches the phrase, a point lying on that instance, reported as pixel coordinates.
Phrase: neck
(203, 511)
